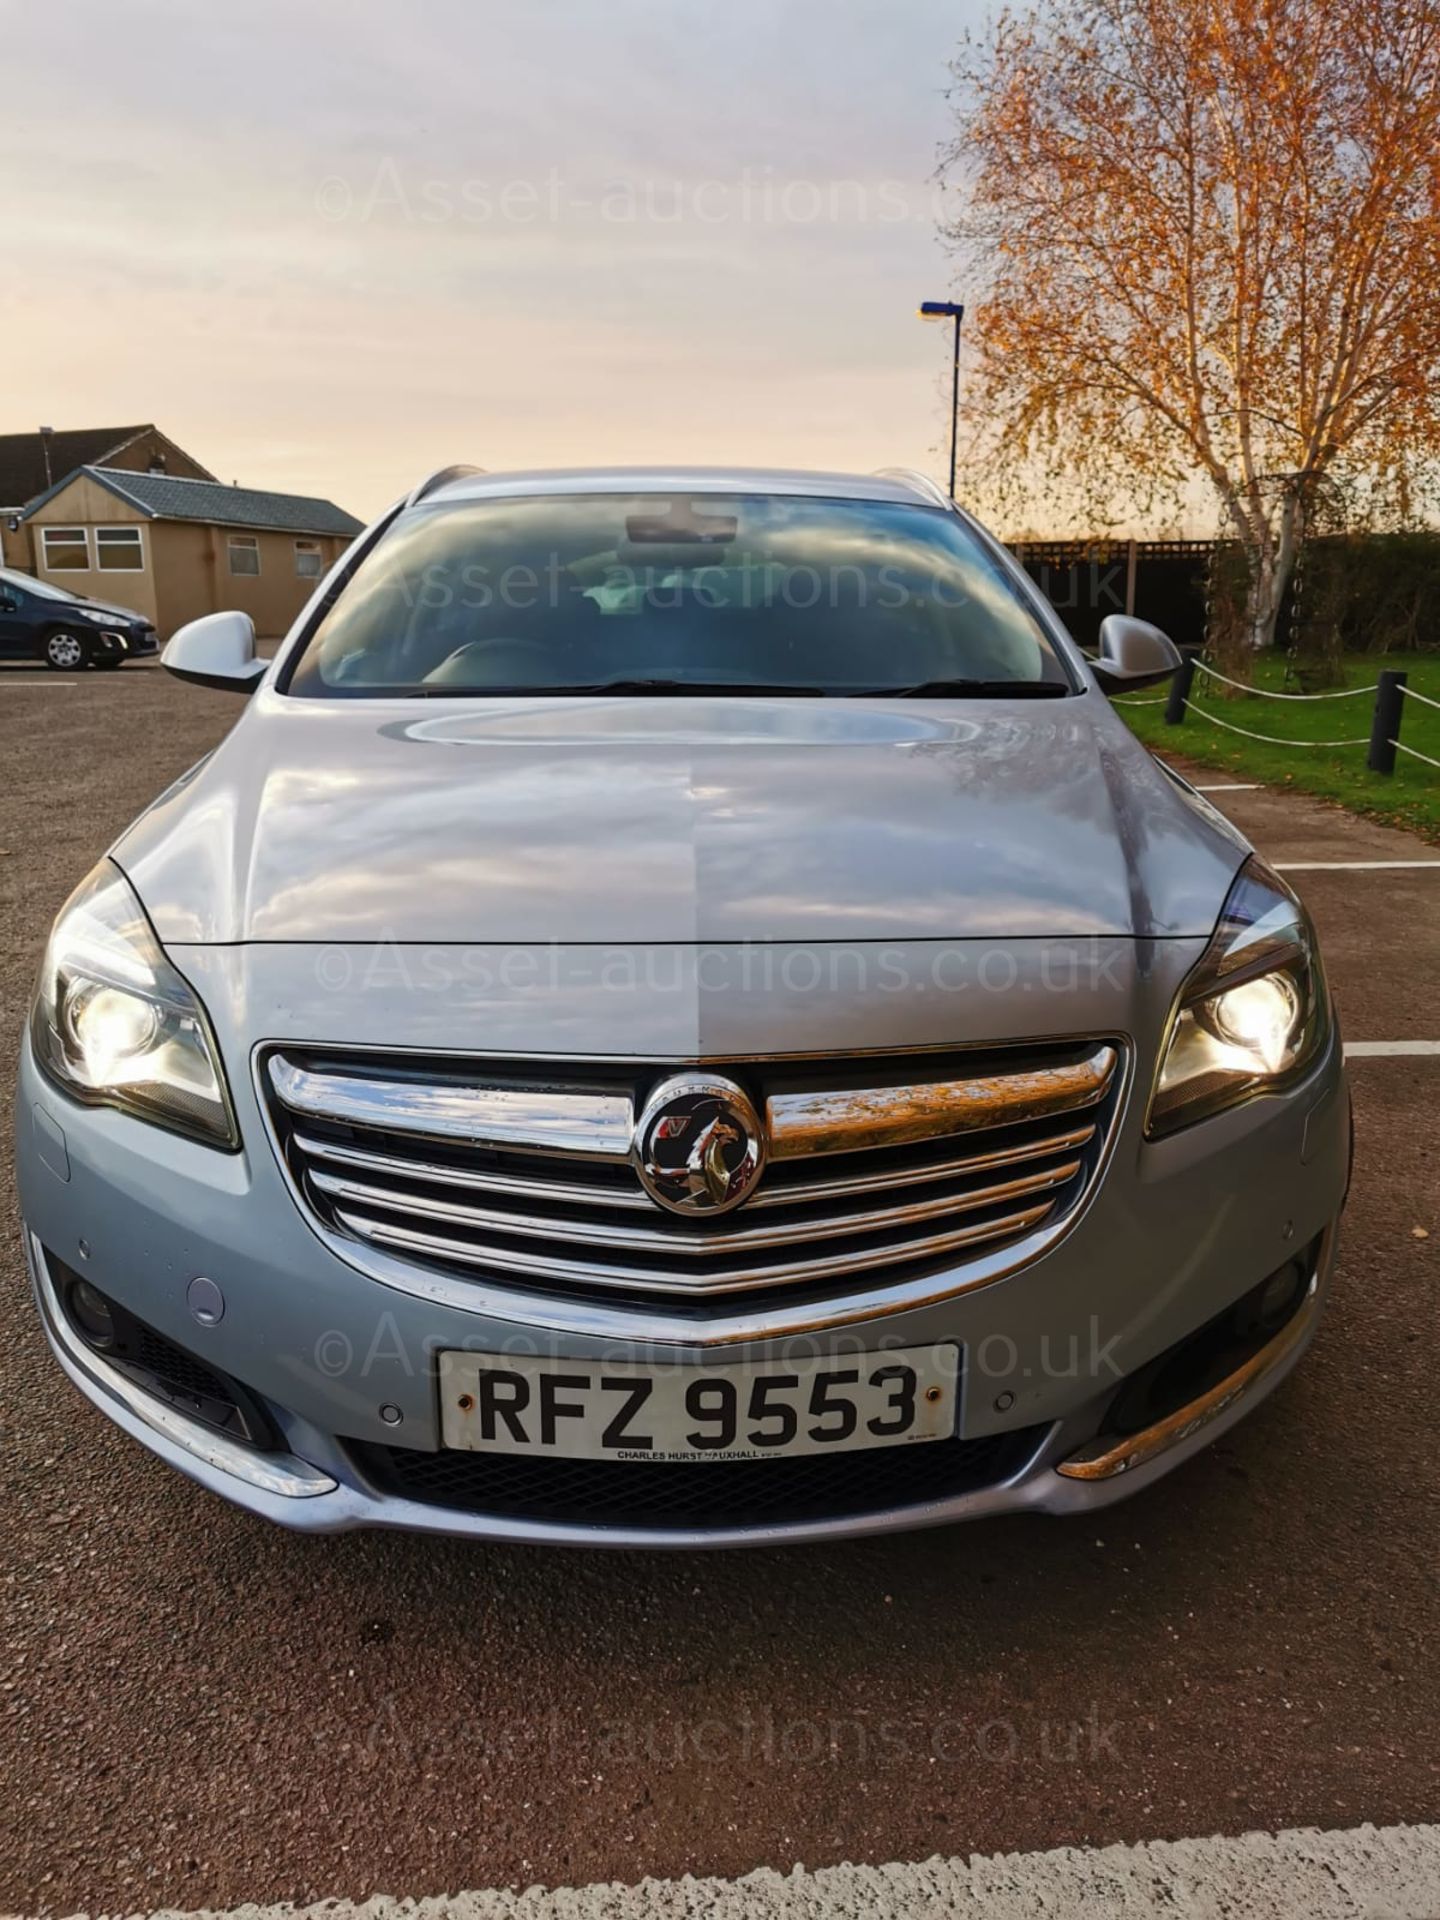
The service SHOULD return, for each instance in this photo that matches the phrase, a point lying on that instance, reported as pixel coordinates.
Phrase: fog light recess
(91, 1315)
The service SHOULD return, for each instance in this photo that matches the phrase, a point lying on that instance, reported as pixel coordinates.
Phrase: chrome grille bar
(631, 1199)
(795, 1191)
(543, 1266)
(541, 1118)
(856, 1118)
(486, 1179)
(675, 1242)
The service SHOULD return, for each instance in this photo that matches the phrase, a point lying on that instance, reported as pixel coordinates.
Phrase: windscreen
(42, 588)
(678, 594)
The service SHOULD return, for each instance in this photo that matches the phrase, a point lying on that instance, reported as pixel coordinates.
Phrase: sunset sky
(328, 247)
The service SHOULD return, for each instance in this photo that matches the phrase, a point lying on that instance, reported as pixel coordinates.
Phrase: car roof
(18, 578)
(894, 486)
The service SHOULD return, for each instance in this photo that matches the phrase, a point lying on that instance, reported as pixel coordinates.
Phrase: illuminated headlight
(114, 1024)
(1255, 1012)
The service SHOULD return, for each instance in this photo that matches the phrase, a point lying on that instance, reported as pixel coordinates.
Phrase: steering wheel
(483, 654)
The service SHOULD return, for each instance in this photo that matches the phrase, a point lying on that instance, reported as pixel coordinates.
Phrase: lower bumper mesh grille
(703, 1495)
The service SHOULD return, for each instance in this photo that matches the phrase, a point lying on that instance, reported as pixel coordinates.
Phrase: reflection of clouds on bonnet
(700, 723)
(621, 821)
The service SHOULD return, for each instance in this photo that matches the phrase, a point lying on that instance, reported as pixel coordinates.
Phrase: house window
(308, 562)
(119, 550)
(244, 553)
(65, 549)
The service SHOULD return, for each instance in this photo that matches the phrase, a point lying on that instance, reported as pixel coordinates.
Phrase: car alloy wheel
(64, 651)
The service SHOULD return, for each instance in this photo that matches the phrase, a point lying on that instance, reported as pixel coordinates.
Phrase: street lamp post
(949, 310)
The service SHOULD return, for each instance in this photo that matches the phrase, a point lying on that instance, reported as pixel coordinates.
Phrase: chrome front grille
(505, 1170)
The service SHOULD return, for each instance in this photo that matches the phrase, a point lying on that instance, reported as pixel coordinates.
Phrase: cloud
(335, 248)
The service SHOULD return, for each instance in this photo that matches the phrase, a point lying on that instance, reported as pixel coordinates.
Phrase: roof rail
(921, 482)
(438, 479)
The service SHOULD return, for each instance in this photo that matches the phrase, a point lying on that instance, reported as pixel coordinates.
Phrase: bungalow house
(175, 547)
(31, 463)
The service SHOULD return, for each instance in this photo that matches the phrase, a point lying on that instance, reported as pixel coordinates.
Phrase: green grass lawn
(1410, 797)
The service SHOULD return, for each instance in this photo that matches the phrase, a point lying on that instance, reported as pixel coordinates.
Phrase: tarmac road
(200, 1710)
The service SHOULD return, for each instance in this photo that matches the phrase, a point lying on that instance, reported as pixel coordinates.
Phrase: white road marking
(1347, 866)
(1303, 1874)
(1384, 1049)
(1238, 786)
(6, 683)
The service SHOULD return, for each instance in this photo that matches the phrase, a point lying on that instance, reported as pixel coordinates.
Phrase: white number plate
(607, 1410)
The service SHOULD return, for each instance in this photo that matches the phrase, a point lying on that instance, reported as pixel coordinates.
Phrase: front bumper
(1178, 1231)
(1058, 1478)
(124, 643)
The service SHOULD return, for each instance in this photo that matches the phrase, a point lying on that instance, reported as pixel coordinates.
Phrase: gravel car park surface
(200, 1710)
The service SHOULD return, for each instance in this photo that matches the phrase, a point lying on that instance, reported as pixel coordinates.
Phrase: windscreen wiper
(746, 689)
(658, 687)
(655, 685)
(971, 690)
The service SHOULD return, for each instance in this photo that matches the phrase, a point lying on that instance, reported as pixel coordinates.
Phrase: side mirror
(1133, 654)
(218, 651)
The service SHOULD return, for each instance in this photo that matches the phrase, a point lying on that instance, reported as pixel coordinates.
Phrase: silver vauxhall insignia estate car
(679, 1015)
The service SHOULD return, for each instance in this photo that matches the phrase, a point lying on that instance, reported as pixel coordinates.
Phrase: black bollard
(1385, 727)
(1180, 685)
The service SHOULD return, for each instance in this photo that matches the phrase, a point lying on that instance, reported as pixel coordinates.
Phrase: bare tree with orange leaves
(1206, 237)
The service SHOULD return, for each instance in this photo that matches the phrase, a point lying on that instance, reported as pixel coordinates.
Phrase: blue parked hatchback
(39, 621)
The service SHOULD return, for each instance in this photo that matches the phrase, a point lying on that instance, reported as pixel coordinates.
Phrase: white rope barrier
(1264, 693)
(1414, 752)
(1273, 740)
(1137, 700)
